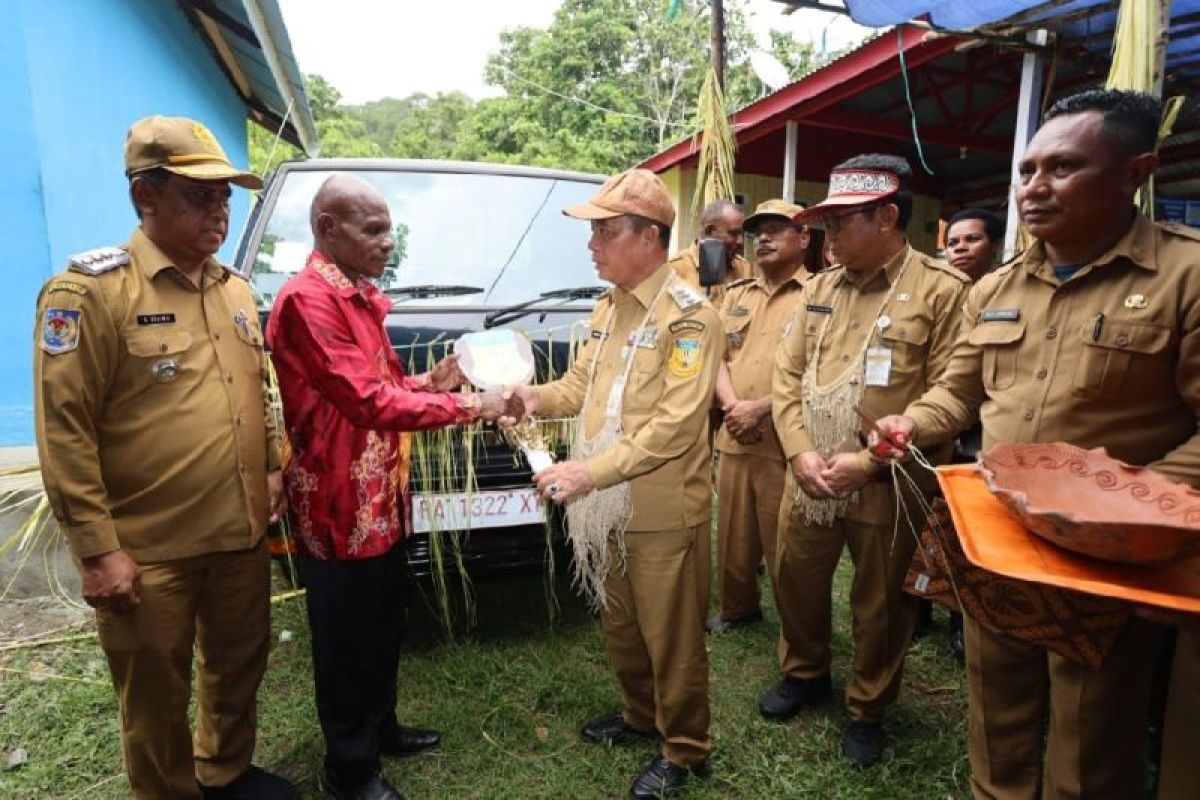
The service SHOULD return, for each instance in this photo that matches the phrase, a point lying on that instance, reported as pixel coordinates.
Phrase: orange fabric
(993, 539)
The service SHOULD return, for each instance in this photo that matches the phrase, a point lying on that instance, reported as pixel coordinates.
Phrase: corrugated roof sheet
(249, 40)
(1089, 23)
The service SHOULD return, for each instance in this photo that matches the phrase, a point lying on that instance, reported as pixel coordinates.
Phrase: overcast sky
(370, 49)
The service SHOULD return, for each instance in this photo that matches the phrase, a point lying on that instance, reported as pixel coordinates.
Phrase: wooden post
(789, 160)
(718, 41)
(1029, 113)
(1160, 47)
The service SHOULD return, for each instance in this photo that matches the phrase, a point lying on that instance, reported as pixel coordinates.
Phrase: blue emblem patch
(60, 330)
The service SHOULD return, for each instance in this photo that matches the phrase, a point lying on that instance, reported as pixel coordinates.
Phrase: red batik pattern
(347, 403)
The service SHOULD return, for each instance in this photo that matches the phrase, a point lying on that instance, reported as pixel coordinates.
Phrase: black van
(477, 246)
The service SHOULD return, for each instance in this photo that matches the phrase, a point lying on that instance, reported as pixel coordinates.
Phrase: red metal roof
(869, 65)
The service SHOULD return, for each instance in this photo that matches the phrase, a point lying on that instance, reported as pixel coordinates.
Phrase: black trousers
(357, 616)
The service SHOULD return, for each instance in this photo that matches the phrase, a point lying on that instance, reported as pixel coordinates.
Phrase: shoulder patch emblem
(681, 325)
(102, 259)
(685, 296)
(685, 356)
(60, 330)
(67, 286)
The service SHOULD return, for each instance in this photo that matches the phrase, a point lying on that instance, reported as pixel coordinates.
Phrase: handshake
(508, 406)
(501, 406)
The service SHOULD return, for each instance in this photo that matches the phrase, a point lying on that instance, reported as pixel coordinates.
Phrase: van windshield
(503, 234)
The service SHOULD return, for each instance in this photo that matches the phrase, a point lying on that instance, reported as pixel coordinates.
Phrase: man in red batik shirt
(346, 400)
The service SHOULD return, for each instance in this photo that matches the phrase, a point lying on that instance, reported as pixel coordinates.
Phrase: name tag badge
(878, 366)
(817, 309)
(1000, 315)
(155, 319)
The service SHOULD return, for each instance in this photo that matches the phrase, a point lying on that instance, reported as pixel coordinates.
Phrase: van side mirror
(713, 262)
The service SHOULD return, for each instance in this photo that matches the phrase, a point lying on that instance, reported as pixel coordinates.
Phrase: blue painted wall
(73, 75)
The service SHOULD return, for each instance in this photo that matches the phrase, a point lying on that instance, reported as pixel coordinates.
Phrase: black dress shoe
(787, 698)
(612, 729)
(661, 779)
(402, 741)
(862, 743)
(253, 784)
(718, 624)
(374, 788)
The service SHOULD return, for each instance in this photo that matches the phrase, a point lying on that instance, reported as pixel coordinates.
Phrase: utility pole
(718, 41)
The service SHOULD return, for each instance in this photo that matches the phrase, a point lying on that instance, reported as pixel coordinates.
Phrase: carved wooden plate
(1088, 502)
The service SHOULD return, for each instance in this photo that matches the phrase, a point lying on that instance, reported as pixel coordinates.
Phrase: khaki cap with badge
(636, 191)
(771, 209)
(184, 147)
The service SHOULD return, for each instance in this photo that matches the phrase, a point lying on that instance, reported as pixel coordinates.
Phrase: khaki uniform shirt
(756, 320)
(664, 451)
(686, 264)
(923, 319)
(152, 419)
(1110, 358)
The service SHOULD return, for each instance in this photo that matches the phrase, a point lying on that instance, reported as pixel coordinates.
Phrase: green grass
(511, 700)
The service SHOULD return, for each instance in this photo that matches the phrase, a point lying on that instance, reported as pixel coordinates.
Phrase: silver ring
(554, 488)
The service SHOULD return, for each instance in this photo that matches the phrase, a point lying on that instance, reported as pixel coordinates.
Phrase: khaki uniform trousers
(882, 616)
(219, 603)
(749, 491)
(1095, 746)
(1179, 777)
(654, 629)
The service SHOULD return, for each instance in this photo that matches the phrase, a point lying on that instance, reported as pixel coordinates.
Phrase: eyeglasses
(833, 222)
(205, 197)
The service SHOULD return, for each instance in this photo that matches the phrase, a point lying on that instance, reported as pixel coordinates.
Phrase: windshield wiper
(509, 313)
(401, 293)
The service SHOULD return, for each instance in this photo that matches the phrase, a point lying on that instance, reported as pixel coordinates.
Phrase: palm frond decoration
(715, 168)
(1138, 63)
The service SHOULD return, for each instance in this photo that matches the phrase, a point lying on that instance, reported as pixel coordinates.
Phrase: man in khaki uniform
(720, 220)
(870, 334)
(638, 487)
(754, 315)
(1091, 337)
(160, 462)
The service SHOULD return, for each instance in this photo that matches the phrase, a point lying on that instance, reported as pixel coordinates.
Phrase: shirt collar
(324, 267)
(645, 291)
(890, 272)
(1137, 247)
(151, 260)
(798, 277)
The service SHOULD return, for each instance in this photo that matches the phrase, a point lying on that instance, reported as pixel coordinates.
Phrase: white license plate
(463, 511)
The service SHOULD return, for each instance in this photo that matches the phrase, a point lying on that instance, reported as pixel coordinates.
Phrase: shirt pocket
(645, 384)
(907, 339)
(1120, 357)
(250, 352)
(735, 333)
(158, 358)
(999, 343)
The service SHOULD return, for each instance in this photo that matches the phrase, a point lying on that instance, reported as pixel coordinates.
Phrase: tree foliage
(606, 84)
